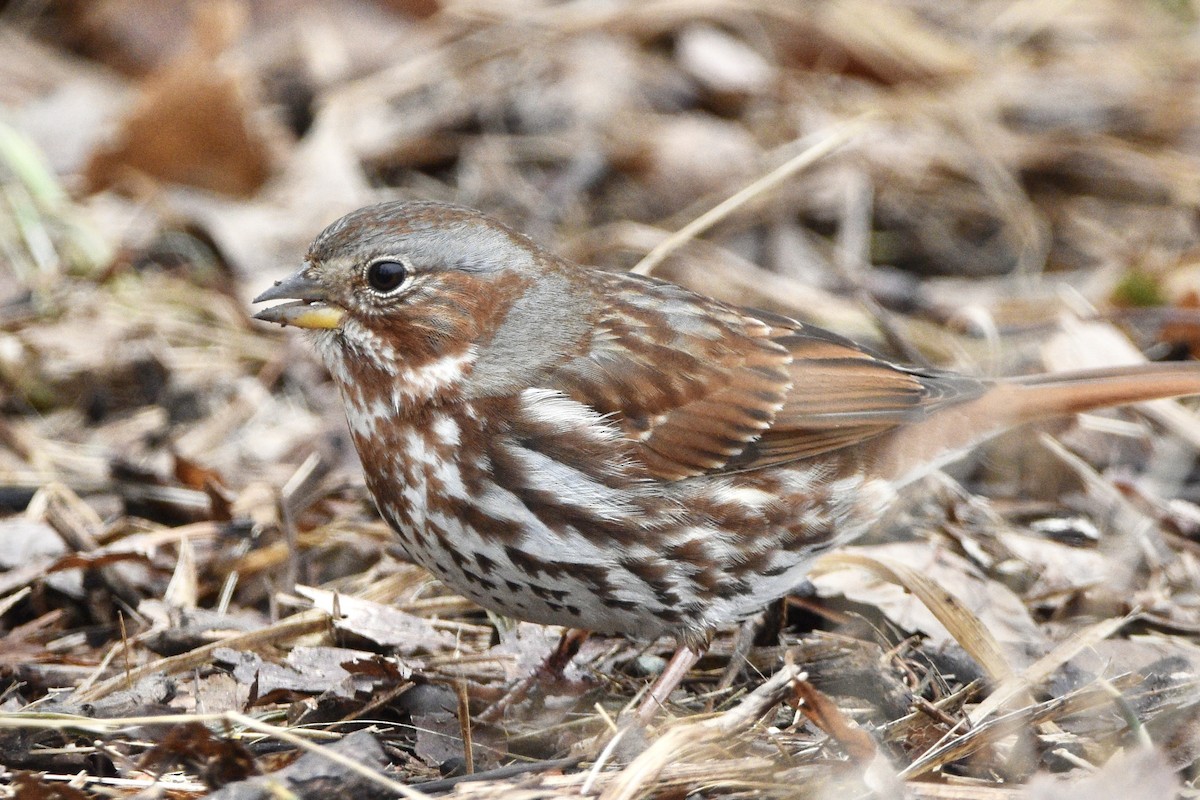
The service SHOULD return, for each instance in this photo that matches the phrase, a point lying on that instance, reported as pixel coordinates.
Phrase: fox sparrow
(615, 453)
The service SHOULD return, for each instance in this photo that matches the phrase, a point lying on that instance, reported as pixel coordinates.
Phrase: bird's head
(402, 286)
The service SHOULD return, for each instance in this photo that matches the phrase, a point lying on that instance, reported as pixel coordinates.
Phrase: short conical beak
(311, 309)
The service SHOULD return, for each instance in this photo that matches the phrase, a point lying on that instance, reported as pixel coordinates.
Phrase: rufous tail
(918, 448)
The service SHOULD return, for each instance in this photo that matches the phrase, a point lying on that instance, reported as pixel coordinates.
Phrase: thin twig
(815, 147)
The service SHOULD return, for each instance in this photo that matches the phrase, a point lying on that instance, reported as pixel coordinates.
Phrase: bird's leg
(742, 645)
(567, 648)
(684, 659)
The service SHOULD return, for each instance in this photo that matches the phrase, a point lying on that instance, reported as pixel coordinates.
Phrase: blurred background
(1004, 137)
(997, 165)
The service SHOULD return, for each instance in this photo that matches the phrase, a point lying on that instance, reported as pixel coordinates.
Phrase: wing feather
(703, 387)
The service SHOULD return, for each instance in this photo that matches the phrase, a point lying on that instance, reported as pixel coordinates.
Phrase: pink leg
(568, 647)
(677, 668)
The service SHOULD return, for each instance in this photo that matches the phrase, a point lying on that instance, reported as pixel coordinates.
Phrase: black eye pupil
(384, 276)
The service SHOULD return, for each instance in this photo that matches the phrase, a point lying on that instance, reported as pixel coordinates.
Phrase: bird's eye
(386, 276)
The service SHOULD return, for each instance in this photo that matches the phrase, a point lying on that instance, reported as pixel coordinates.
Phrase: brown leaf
(31, 786)
(193, 122)
(310, 671)
(218, 761)
(825, 714)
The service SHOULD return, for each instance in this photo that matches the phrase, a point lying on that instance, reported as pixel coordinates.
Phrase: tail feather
(914, 450)
(1040, 396)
